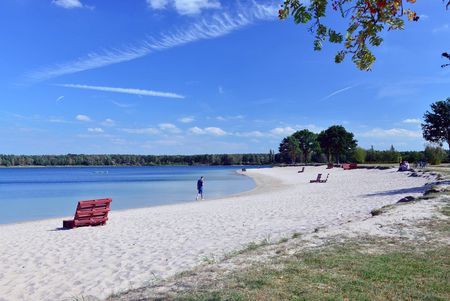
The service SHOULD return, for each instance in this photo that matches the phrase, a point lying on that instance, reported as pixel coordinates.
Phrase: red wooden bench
(89, 213)
(347, 166)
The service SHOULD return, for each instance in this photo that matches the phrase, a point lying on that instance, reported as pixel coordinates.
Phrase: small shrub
(359, 155)
(435, 154)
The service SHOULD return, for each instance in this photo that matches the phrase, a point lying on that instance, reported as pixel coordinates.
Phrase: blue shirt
(199, 184)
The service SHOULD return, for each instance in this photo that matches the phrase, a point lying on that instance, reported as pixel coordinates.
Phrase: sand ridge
(38, 261)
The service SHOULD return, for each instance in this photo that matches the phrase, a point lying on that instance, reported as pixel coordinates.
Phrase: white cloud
(225, 118)
(206, 28)
(95, 130)
(185, 7)
(412, 121)
(81, 117)
(186, 119)
(279, 131)
(196, 130)
(338, 92)
(282, 131)
(220, 88)
(394, 132)
(68, 4)
(108, 122)
(169, 127)
(215, 131)
(158, 4)
(123, 90)
(142, 131)
(443, 28)
(250, 134)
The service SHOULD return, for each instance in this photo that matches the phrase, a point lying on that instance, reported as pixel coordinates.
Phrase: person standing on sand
(200, 187)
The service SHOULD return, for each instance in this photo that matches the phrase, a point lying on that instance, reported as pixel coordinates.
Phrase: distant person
(404, 166)
(200, 188)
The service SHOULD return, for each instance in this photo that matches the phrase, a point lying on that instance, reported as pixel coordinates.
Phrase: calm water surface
(39, 193)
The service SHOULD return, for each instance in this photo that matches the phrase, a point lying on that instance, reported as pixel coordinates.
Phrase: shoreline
(60, 218)
(138, 245)
(70, 215)
(248, 192)
(112, 166)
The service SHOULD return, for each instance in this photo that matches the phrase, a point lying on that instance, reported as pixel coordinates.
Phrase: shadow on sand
(419, 189)
(60, 229)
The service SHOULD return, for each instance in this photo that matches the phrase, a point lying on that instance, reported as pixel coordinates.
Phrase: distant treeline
(431, 154)
(369, 156)
(393, 156)
(136, 160)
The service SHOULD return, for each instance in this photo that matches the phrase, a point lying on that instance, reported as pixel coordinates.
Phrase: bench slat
(90, 213)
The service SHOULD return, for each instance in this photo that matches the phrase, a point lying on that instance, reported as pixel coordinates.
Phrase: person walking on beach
(200, 188)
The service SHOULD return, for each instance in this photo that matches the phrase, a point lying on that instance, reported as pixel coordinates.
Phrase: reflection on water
(38, 193)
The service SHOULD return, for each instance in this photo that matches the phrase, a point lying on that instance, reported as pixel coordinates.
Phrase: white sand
(39, 262)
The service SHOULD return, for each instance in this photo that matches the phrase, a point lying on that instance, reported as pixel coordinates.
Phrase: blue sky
(202, 76)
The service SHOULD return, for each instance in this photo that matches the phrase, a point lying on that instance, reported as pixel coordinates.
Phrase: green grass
(340, 273)
(446, 210)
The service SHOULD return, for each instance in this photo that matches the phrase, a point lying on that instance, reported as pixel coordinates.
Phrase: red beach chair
(348, 166)
(89, 213)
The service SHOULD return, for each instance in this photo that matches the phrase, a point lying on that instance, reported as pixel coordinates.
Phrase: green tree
(367, 20)
(336, 141)
(289, 149)
(307, 142)
(392, 155)
(434, 154)
(436, 126)
(360, 155)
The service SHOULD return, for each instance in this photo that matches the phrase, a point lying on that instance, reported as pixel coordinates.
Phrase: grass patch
(435, 192)
(446, 210)
(379, 211)
(340, 273)
(296, 235)
(283, 240)
(252, 246)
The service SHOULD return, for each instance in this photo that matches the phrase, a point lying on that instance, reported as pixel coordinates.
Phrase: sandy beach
(39, 261)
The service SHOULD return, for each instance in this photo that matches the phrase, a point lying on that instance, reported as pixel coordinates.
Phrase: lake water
(40, 193)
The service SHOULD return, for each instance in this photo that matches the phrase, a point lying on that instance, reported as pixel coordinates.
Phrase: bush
(412, 156)
(435, 154)
(359, 155)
